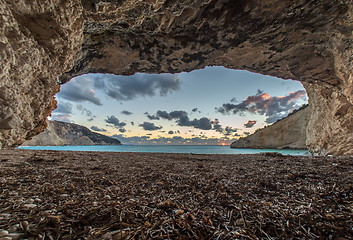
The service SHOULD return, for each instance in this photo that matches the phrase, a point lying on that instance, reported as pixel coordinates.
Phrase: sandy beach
(93, 195)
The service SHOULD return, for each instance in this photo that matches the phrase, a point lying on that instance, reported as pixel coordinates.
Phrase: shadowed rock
(308, 41)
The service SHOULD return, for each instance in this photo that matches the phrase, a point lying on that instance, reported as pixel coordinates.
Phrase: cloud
(262, 103)
(85, 111)
(97, 129)
(148, 126)
(79, 90)
(152, 117)
(227, 131)
(247, 133)
(126, 112)
(123, 88)
(63, 107)
(113, 121)
(132, 123)
(195, 110)
(250, 124)
(61, 117)
(62, 112)
(171, 132)
(183, 119)
(175, 140)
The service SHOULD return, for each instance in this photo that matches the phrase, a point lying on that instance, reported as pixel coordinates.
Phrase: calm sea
(197, 149)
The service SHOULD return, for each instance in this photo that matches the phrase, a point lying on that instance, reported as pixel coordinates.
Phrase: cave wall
(310, 41)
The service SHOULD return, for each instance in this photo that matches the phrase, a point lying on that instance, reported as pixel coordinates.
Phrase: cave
(44, 45)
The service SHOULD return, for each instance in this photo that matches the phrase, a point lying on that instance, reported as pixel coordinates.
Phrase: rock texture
(310, 41)
(38, 42)
(61, 133)
(289, 133)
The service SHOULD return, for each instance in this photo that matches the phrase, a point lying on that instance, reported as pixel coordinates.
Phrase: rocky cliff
(61, 133)
(289, 133)
(43, 44)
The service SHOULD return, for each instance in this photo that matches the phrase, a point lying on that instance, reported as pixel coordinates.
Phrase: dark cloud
(247, 133)
(250, 124)
(177, 140)
(63, 107)
(79, 90)
(148, 126)
(122, 130)
(226, 131)
(97, 129)
(132, 123)
(113, 121)
(123, 88)
(62, 112)
(183, 119)
(85, 111)
(125, 112)
(153, 117)
(170, 132)
(262, 103)
(196, 110)
(229, 131)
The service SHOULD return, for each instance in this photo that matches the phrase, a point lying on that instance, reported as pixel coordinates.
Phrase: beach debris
(117, 196)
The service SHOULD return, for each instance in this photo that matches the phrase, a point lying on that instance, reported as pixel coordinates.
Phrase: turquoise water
(198, 149)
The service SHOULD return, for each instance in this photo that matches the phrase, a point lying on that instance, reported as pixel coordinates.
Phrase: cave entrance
(212, 106)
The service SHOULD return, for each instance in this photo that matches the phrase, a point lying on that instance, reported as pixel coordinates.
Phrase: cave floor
(93, 195)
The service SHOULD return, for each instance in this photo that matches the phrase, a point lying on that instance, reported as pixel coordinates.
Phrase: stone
(43, 45)
(28, 206)
(3, 233)
(116, 235)
(16, 236)
(5, 238)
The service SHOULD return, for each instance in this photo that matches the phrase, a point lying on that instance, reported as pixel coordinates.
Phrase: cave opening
(211, 106)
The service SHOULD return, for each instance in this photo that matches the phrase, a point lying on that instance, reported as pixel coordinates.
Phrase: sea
(195, 149)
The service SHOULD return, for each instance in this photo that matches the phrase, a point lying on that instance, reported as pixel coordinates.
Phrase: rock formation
(61, 133)
(42, 44)
(287, 133)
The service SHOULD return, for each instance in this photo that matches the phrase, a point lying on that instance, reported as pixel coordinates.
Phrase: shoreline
(112, 195)
(196, 149)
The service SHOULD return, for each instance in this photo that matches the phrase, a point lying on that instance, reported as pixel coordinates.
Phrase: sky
(212, 106)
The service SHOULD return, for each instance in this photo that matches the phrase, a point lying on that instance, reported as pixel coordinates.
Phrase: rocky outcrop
(287, 133)
(310, 41)
(61, 133)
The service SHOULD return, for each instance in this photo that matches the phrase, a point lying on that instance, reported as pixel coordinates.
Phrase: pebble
(16, 236)
(5, 238)
(116, 235)
(29, 206)
(24, 225)
(14, 228)
(239, 222)
(3, 233)
(107, 197)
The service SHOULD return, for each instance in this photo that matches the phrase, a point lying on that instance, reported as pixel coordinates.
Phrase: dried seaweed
(90, 195)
